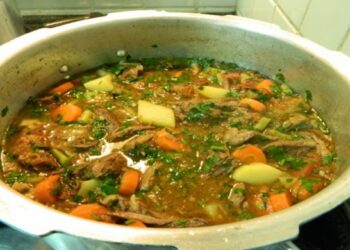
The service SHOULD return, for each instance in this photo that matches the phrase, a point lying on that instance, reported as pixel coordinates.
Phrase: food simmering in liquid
(169, 143)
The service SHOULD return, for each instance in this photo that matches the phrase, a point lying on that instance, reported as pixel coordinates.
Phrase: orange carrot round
(305, 171)
(44, 190)
(253, 104)
(265, 86)
(167, 141)
(91, 211)
(249, 154)
(66, 113)
(280, 201)
(129, 182)
(137, 223)
(63, 88)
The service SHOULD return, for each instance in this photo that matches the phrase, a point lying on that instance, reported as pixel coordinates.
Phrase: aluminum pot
(30, 63)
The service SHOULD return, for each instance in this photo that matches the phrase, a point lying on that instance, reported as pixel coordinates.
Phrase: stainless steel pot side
(30, 63)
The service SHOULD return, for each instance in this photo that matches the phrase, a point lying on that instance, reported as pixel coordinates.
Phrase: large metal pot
(30, 63)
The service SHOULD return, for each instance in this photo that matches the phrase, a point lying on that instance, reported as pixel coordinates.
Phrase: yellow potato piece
(158, 115)
(104, 83)
(212, 92)
(256, 174)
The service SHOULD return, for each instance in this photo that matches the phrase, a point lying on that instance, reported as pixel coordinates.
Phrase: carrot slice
(91, 211)
(63, 88)
(66, 113)
(265, 86)
(249, 154)
(305, 171)
(167, 141)
(280, 201)
(44, 191)
(137, 223)
(253, 104)
(129, 182)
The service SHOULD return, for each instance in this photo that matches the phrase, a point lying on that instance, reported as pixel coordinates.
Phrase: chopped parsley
(151, 154)
(308, 95)
(210, 163)
(212, 144)
(15, 177)
(308, 184)
(78, 93)
(99, 128)
(280, 155)
(4, 111)
(108, 186)
(279, 77)
(199, 112)
(328, 159)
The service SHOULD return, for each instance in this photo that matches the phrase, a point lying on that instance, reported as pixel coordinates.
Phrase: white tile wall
(105, 4)
(165, 3)
(294, 9)
(323, 21)
(281, 20)
(215, 3)
(345, 48)
(263, 10)
(65, 7)
(326, 22)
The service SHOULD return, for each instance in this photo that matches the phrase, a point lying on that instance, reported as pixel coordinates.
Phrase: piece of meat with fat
(109, 116)
(111, 163)
(294, 121)
(292, 143)
(237, 137)
(148, 219)
(168, 221)
(128, 131)
(132, 71)
(236, 195)
(31, 149)
(131, 142)
(184, 90)
(148, 175)
(321, 145)
(192, 222)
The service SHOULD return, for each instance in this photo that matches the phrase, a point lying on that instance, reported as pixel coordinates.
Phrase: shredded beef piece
(296, 144)
(132, 72)
(112, 163)
(192, 222)
(133, 141)
(184, 90)
(148, 176)
(237, 137)
(148, 219)
(128, 131)
(31, 149)
(236, 195)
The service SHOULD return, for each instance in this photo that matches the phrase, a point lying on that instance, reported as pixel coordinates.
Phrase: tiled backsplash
(323, 21)
(71, 7)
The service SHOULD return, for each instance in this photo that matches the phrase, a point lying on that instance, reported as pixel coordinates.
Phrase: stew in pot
(169, 143)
